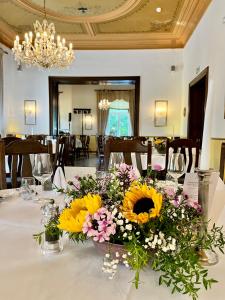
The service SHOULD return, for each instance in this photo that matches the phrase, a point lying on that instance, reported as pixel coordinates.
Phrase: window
(119, 123)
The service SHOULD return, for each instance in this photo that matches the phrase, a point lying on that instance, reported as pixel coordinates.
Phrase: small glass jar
(52, 243)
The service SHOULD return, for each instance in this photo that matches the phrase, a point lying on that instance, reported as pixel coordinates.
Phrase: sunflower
(141, 204)
(72, 219)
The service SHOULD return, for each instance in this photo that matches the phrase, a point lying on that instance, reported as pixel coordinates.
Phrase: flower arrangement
(160, 145)
(156, 226)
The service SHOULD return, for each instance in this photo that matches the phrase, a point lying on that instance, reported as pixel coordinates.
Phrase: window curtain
(112, 95)
(1, 93)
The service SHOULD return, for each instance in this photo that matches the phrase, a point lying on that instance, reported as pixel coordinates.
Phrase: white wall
(84, 96)
(157, 82)
(207, 48)
(65, 106)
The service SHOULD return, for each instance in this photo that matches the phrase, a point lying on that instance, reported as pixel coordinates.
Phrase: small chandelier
(44, 51)
(104, 104)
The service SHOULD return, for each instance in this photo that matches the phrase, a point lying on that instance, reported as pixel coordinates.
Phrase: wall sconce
(88, 122)
(30, 112)
(161, 111)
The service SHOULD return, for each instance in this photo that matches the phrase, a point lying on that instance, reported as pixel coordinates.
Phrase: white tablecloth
(25, 274)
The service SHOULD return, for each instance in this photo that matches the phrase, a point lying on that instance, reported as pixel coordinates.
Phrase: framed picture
(161, 110)
(30, 112)
(88, 122)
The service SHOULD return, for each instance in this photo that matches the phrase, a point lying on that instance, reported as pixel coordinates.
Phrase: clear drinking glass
(176, 166)
(42, 167)
(116, 158)
(27, 190)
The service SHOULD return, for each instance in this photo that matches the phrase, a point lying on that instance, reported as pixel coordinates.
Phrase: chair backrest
(9, 139)
(61, 153)
(100, 144)
(127, 147)
(22, 149)
(222, 162)
(37, 137)
(87, 141)
(190, 150)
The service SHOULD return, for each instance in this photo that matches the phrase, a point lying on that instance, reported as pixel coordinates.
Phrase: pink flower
(100, 226)
(157, 167)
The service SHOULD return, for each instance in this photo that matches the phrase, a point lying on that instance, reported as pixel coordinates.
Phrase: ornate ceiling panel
(145, 18)
(107, 24)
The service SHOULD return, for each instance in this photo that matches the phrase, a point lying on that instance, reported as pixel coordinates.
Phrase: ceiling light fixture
(158, 9)
(104, 104)
(44, 50)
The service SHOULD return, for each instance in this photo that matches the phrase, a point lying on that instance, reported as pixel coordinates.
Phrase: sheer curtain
(112, 95)
(1, 93)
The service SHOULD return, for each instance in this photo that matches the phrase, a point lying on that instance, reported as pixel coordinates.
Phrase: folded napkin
(59, 179)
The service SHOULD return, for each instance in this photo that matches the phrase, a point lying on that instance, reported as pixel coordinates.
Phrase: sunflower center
(143, 205)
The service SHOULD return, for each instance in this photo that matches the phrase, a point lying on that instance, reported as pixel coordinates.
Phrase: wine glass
(42, 167)
(116, 158)
(176, 166)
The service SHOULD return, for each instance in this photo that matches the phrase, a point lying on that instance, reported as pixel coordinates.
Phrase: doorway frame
(55, 81)
(200, 76)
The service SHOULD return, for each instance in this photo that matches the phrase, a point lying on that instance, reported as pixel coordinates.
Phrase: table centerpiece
(154, 225)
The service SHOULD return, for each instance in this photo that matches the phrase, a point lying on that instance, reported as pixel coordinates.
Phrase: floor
(92, 161)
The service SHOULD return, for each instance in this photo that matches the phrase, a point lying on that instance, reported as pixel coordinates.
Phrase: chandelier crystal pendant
(42, 49)
(104, 104)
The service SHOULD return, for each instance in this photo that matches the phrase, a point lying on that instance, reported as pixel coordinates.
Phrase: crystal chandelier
(104, 104)
(43, 49)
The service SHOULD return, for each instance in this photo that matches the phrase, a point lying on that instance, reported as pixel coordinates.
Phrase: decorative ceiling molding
(176, 35)
(128, 6)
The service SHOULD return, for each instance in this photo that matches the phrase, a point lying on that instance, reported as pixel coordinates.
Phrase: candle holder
(207, 257)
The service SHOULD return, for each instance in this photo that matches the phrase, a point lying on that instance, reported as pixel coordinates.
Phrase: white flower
(122, 228)
(127, 221)
(120, 215)
(164, 249)
(130, 237)
(172, 247)
(128, 227)
(129, 253)
(124, 256)
(125, 234)
(138, 233)
(159, 242)
(147, 240)
(114, 211)
(114, 267)
(107, 255)
(145, 246)
(174, 214)
(173, 241)
(119, 222)
(125, 262)
(117, 254)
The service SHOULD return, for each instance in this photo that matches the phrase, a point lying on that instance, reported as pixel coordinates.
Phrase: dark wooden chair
(127, 147)
(222, 162)
(37, 137)
(84, 150)
(16, 149)
(190, 150)
(61, 153)
(100, 151)
(71, 151)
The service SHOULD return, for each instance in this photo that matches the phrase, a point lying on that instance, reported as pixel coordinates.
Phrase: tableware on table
(116, 158)
(27, 190)
(42, 168)
(176, 166)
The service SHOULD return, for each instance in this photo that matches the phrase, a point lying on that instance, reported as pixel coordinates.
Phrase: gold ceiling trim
(127, 7)
(189, 16)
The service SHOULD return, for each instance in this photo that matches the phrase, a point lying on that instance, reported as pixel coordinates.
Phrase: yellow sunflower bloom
(72, 219)
(141, 204)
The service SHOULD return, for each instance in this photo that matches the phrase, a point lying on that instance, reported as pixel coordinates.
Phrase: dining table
(75, 273)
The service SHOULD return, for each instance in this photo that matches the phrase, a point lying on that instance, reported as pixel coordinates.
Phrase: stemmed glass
(176, 166)
(42, 167)
(116, 158)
